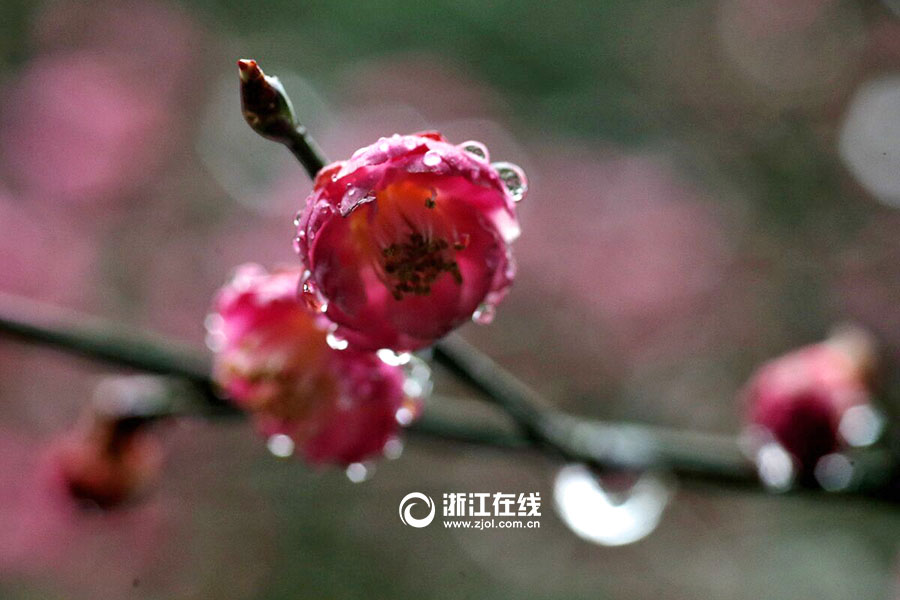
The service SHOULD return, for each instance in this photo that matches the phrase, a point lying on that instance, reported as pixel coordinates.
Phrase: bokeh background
(712, 183)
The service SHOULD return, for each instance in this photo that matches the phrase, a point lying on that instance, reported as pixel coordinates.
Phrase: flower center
(410, 239)
(412, 266)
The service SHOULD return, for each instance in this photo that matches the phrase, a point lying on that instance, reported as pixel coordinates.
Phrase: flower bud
(808, 404)
(408, 239)
(278, 360)
(264, 103)
(109, 461)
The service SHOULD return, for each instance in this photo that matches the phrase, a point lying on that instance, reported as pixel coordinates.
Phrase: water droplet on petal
(296, 243)
(475, 149)
(410, 143)
(393, 359)
(431, 159)
(298, 218)
(513, 178)
(359, 472)
(608, 518)
(310, 295)
(335, 342)
(280, 445)
(484, 314)
(384, 147)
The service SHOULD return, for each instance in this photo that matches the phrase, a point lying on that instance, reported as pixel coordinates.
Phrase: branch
(697, 457)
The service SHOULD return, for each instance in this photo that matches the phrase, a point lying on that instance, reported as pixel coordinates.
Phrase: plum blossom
(813, 401)
(281, 363)
(408, 239)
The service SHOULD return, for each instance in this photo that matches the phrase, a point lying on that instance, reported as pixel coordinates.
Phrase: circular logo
(406, 505)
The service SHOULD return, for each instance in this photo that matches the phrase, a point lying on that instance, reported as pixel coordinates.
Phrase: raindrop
(834, 472)
(358, 472)
(393, 448)
(215, 340)
(389, 357)
(335, 342)
(404, 416)
(484, 314)
(513, 178)
(476, 149)
(775, 466)
(431, 159)
(214, 322)
(310, 295)
(280, 445)
(418, 383)
(861, 425)
(607, 518)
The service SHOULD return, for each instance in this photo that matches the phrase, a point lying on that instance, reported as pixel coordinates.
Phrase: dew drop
(475, 149)
(513, 178)
(431, 159)
(393, 359)
(384, 147)
(298, 218)
(417, 383)
(310, 295)
(280, 445)
(484, 314)
(393, 448)
(296, 244)
(335, 342)
(359, 472)
(410, 143)
(404, 416)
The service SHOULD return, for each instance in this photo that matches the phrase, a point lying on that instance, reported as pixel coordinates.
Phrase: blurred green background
(712, 183)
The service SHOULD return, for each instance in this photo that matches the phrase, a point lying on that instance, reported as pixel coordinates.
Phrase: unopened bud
(265, 104)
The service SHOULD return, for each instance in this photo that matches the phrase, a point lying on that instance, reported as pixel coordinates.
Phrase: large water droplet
(280, 445)
(608, 518)
(431, 159)
(513, 178)
(484, 314)
(476, 149)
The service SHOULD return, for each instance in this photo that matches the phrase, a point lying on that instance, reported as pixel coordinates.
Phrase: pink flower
(277, 360)
(408, 239)
(814, 401)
